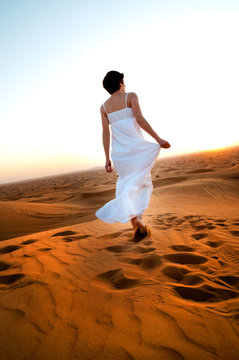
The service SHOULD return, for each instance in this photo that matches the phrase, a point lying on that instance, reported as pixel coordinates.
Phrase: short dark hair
(112, 81)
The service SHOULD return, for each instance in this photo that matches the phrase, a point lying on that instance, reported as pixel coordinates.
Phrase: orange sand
(73, 287)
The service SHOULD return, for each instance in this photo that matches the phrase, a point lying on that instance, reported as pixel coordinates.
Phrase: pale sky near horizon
(180, 57)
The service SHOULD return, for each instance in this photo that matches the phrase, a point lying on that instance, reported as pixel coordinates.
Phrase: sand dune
(73, 287)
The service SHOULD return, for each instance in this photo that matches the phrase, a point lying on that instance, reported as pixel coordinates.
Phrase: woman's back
(124, 113)
(117, 102)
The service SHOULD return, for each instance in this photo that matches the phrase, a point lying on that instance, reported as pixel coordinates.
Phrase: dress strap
(126, 100)
(104, 108)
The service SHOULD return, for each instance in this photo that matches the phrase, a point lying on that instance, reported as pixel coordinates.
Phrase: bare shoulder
(102, 110)
(133, 98)
(132, 95)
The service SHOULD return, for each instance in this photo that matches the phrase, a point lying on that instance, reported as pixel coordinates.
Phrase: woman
(132, 155)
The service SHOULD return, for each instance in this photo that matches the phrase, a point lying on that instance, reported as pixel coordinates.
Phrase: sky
(180, 57)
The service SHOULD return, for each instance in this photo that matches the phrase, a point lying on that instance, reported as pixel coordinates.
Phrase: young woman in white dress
(132, 155)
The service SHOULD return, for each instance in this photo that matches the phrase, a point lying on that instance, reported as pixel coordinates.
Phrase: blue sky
(38, 38)
(55, 53)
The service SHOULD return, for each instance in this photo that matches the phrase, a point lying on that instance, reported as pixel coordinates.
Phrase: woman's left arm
(106, 139)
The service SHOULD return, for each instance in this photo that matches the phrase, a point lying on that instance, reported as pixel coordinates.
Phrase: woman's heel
(141, 233)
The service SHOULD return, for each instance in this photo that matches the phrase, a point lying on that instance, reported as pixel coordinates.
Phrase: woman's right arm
(143, 123)
(106, 140)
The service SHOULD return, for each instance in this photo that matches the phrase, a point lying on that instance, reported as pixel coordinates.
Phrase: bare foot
(133, 223)
(137, 222)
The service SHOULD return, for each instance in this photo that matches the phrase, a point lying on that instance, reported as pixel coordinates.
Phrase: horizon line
(99, 167)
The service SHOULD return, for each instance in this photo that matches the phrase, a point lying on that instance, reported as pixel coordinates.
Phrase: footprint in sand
(205, 293)
(147, 262)
(9, 248)
(143, 250)
(186, 258)
(168, 222)
(159, 221)
(179, 222)
(145, 241)
(181, 274)
(110, 236)
(118, 248)
(64, 233)
(221, 224)
(30, 241)
(172, 218)
(210, 227)
(198, 222)
(4, 266)
(10, 279)
(214, 244)
(231, 280)
(182, 248)
(174, 272)
(74, 238)
(45, 249)
(193, 223)
(192, 279)
(201, 223)
(188, 217)
(202, 227)
(234, 232)
(199, 236)
(116, 279)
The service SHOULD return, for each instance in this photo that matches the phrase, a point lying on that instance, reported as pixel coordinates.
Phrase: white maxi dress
(133, 157)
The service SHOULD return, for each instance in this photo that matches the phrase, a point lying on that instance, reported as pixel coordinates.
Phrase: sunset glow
(183, 65)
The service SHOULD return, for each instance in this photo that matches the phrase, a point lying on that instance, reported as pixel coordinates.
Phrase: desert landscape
(74, 287)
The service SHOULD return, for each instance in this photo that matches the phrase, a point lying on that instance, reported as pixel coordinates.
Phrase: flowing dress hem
(117, 221)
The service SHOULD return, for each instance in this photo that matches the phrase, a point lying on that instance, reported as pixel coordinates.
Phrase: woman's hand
(108, 167)
(164, 144)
